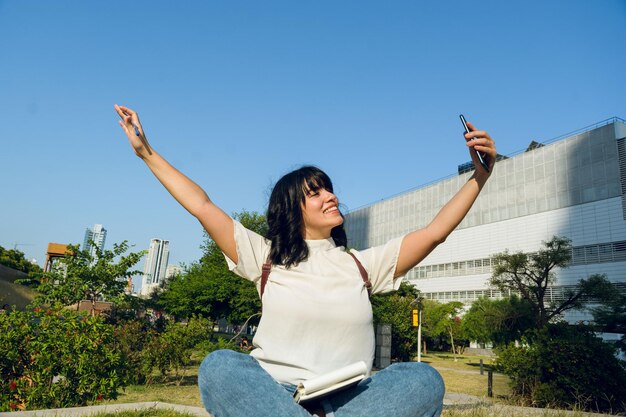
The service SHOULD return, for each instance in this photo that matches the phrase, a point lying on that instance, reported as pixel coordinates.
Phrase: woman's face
(320, 213)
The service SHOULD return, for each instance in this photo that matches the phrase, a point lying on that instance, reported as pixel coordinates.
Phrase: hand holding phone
(482, 158)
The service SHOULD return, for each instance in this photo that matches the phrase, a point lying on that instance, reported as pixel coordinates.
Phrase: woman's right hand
(133, 129)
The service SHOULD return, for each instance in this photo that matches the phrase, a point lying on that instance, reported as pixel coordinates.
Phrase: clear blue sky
(235, 94)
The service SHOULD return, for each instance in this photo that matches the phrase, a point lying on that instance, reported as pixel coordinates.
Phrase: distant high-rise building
(172, 270)
(96, 235)
(155, 266)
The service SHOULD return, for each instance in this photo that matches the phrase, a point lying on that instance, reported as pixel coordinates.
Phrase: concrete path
(450, 400)
(109, 408)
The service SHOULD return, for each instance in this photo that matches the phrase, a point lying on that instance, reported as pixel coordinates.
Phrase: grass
(183, 394)
(463, 376)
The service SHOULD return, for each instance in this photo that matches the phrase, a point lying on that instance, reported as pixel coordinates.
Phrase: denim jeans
(233, 384)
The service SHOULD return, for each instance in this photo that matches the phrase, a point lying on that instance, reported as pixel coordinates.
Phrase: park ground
(461, 376)
(466, 395)
(465, 386)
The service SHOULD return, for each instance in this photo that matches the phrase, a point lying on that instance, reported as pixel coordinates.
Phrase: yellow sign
(416, 320)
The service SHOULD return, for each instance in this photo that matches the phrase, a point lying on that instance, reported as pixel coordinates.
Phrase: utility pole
(417, 322)
(419, 331)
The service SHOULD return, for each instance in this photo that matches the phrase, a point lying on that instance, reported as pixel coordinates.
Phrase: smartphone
(482, 158)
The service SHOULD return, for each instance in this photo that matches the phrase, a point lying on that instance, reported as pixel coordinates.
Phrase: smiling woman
(317, 316)
(302, 206)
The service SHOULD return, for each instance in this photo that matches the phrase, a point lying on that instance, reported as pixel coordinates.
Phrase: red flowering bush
(55, 359)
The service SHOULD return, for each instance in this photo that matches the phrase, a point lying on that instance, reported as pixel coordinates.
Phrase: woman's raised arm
(194, 199)
(418, 244)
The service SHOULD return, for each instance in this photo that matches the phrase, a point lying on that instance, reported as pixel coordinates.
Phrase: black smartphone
(482, 158)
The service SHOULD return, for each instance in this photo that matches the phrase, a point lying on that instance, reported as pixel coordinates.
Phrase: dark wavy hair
(284, 215)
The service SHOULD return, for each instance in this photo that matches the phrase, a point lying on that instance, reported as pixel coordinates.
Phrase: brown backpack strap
(267, 267)
(366, 278)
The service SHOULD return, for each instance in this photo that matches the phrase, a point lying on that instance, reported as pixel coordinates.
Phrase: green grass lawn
(463, 376)
(168, 390)
(183, 394)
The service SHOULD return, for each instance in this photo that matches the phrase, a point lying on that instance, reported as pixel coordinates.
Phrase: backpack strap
(364, 275)
(267, 267)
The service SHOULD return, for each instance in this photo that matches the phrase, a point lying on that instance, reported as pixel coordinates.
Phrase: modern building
(94, 237)
(172, 270)
(155, 267)
(572, 186)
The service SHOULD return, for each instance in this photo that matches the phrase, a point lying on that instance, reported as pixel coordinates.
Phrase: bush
(208, 346)
(171, 350)
(131, 340)
(568, 367)
(53, 359)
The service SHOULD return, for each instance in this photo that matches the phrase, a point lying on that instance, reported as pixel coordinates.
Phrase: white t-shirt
(317, 316)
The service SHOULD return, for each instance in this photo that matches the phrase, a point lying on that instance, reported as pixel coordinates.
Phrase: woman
(316, 311)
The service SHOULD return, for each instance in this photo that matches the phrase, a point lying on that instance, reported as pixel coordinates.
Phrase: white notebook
(333, 381)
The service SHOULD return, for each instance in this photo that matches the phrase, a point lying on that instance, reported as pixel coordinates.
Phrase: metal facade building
(573, 186)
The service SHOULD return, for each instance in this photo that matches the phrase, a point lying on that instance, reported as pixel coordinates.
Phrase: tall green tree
(498, 321)
(531, 274)
(558, 364)
(609, 315)
(207, 287)
(395, 309)
(447, 324)
(82, 276)
(441, 325)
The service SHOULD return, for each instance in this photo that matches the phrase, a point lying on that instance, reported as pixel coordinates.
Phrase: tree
(610, 315)
(447, 322)
(565, 366)
(531, 274)
(15, 259)
(207, 288)
(395, 309)
(81, 276)
(498, 321)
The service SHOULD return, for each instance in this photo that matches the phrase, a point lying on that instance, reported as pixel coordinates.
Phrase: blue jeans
(233, 384)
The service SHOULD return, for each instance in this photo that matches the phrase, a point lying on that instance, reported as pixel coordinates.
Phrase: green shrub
(52, 359)
(568, 367)
(171, 350)
(131, 340)
(209, 346)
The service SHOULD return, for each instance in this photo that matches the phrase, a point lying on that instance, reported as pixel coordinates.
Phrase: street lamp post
(417, 322)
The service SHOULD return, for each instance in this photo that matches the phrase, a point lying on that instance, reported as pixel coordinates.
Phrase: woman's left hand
(480, 141)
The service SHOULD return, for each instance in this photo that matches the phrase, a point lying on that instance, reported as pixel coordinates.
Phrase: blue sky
(235, 94)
